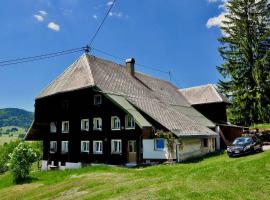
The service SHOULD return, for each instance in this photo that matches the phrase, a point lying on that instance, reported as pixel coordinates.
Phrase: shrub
(21, 160)
(5, 150)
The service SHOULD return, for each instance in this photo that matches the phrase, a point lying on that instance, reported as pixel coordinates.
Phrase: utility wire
(102, 22)
(39, 57)
(123, 59)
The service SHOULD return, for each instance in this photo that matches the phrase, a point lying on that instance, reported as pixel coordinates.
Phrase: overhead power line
(102, 22)
(39, 57)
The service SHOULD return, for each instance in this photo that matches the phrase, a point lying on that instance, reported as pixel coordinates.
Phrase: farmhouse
(98, 111)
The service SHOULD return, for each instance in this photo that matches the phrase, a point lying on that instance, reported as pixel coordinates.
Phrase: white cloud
(54, 26)
(39, 18)
(109, 3)
(116, 14)
(42, 12)
(95, 16)
(216, 21)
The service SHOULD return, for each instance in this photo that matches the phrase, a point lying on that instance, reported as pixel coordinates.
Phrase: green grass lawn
(6, 138)
(217, 177)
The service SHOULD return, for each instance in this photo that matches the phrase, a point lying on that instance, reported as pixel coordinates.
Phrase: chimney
(130, 66)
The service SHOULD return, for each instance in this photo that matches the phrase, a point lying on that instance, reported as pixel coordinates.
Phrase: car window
(242, 141)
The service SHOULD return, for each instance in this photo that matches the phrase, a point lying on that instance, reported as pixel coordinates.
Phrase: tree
(21, 161)
(245, 49)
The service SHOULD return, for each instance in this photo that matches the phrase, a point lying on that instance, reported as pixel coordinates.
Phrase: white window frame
(95, 120)
(127, 117)
(53, 146)
(100, 149)
(63, 127)
(97, 96)
(155, 143)
(118, 149)
(53, 128)
(87, 146)
(83, 128)
(112, 123)
(64, 144)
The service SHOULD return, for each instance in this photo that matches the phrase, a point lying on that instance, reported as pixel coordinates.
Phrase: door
(132, 151)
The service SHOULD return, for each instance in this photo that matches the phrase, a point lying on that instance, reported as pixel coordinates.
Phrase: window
(53, 146)
(115, 123)
(85, 124)
(85, 146)
(65, 126)
(130, 123)
(116, 146)
(64, 147)
(97, 99)
(205, 142)
(132, 146)
(159, 144)
(52, 127)
(97, 147)
(97, 124)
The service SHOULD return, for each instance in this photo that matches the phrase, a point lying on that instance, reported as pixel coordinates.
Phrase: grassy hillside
(15, 117)
(10, 133)
(261, 126)
(217, 177)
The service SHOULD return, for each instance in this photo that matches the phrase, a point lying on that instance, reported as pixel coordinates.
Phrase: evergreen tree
(245, 49)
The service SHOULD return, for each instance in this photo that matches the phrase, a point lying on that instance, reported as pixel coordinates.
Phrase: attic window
(97, 99)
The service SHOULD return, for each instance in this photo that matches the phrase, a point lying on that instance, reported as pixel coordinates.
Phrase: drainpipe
(217, 130)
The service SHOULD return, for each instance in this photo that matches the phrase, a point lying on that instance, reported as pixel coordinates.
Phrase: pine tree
(245, 49)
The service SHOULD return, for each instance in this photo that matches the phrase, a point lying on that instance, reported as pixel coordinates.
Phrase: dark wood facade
(216, 112)
(74, 106)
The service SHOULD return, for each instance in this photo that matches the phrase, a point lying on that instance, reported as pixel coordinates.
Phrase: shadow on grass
(26, 180)
(201, 158)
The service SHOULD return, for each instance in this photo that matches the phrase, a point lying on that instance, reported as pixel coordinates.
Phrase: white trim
(132, 122)
(87, 146)
(53, 146)
(83, 123)
(100, 142)
(118, 123)
(64, 147)
(155, 143)
(118, 148)
(63, 127)
(96, 121)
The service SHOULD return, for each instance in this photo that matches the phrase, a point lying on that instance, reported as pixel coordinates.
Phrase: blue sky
(173, 35)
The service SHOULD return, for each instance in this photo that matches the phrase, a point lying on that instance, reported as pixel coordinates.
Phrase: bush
(21, 160)
(5, 150)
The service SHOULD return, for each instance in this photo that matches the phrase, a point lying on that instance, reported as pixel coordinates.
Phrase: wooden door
(132, 151)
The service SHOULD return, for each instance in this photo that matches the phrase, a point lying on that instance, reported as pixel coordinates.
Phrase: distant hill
(15, 117)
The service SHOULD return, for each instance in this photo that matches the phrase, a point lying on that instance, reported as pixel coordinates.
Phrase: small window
(159, 144)
(132, 146)
(85, 124)
(205, 142)
(65, 126)
(97, 147)
(53, 146)
(116, 146)
(130, 123)
(97, 99)
(64, 147)
(52, 127)
(97, 124)
(115, 123)
(85, 146)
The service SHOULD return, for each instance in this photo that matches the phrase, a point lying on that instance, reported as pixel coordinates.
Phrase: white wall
(149, 151)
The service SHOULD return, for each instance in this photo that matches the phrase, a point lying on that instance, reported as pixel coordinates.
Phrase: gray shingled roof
(155, 97)
(204, 94)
